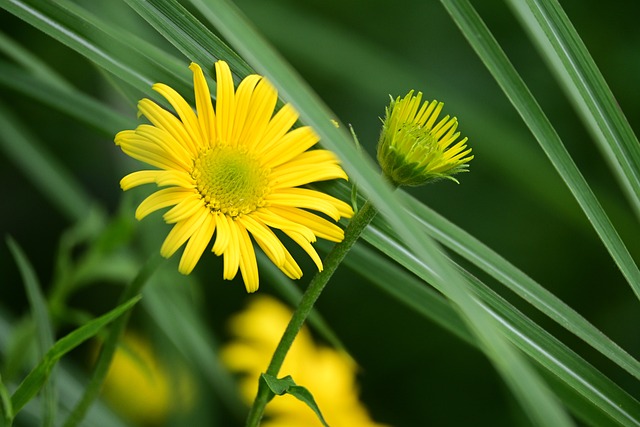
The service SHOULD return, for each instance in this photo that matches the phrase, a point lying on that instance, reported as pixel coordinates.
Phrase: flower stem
(357, 224)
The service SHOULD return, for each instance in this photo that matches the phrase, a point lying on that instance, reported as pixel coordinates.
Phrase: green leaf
(39, 375)
(286, 385)
(32, 63)
(560, 44)
(44, 328)
(517, 281)
(586, 384)
(104, 44)
(6, 411)
(507, 77)
(47, 174)
(188, 34)
(70, 101)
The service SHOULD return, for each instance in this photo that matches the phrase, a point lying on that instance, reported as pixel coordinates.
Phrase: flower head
(233, 172)
(328, 374)
(414, 149)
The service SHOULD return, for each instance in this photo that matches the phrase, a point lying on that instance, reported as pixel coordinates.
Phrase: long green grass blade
(578, 74)
(66, 28)
(39, 375)
(507, 77)
(44, 328)
(71, 101)
(30, 62)
(592, 387)
(492, 263)
(117, 51)
(526, 385)
(40, 168)
(5, 401)
(188, 34)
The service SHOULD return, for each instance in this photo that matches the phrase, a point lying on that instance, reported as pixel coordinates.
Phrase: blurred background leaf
(354, 55)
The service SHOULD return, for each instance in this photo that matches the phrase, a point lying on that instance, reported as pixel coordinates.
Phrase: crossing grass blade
(507, 77)
(578, 74)
(44, 327)
(39, 375)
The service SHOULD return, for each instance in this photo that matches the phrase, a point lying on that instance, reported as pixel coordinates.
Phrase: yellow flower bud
(415, 149)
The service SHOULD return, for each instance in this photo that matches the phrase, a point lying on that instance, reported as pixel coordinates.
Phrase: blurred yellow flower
(413, 149)
(328, 374)
(141, 388)
(235, 171)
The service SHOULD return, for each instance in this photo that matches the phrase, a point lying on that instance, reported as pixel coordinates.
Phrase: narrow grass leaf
(39, 375)
(6, 408)
(529, 390)
(53, 181)
(560, 44)
(507, 77)
(44, 328)
(30, 62)
(70, 101)
(188, 34)
(517, 281)
(63, 26)
(591, 387)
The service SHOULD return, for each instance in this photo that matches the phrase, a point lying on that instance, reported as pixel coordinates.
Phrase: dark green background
(355, 54)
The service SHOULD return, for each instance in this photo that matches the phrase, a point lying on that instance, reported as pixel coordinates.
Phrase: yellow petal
(186, 114)
(175, 177)
(248, 263)
(188, 206)
(137, 178)
(161, 199)
(206, 115)
(318, 225)
(140, 148)
(273, 220)
(305, 174)
(263, 101)
(167, 121)
(167, 143)
(304, 198)
(266, 239)
(306, 245)
(243, 106)
(225, 102)
(196, 245)
(223, 235)
(181, 232)
(290, 146)
(279, 125)
(231, 261)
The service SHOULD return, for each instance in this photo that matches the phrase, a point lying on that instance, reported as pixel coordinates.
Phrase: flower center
(230, 180)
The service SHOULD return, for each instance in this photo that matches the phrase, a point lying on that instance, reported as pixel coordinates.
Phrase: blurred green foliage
(356, 54)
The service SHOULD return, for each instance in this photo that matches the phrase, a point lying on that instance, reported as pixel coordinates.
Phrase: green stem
(357, 224)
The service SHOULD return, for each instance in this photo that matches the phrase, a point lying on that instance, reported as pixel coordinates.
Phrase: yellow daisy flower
(232, 173)
(415, 147)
